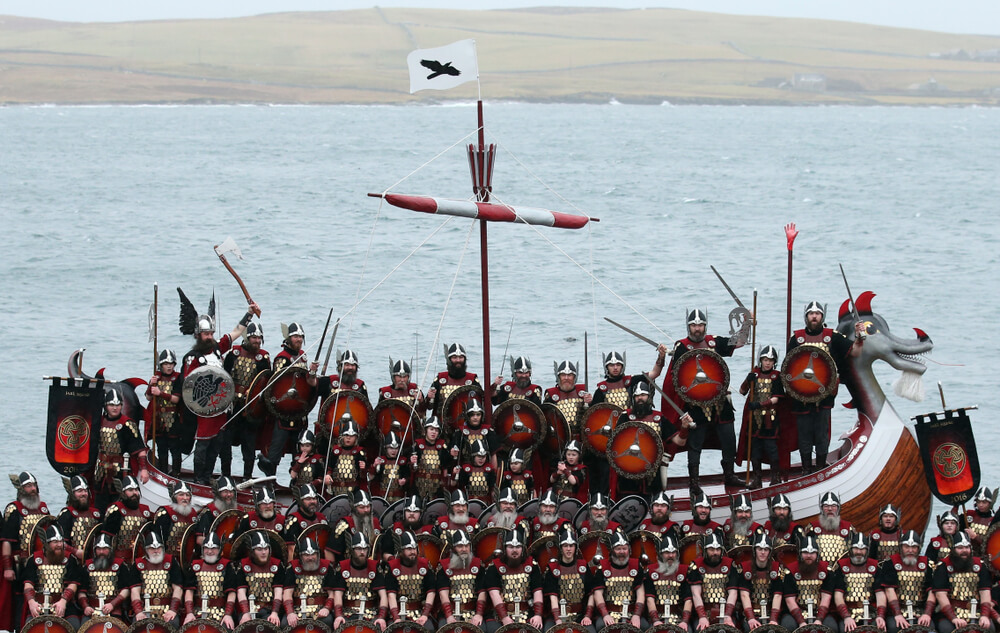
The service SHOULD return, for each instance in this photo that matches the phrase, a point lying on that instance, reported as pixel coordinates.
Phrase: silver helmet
(295, 329)
(612, 358)
(458, 537)
(663, 498)
(129, 483)
(413, 504)
(550, 498)
(506, 496)
(697, 317)
(153, 539)
(565, 534)
(113, 397)
(910, 537)
(455, 349)
(310, 546)
(263, 495)
(254, 329)
(407, 540)
(668, 543)
(572, 445)
(223, 483)
(515, 538)
(259, 540)
(768, 351)
(348, 426)
(761, 540)
(77, 482)
(180, 487)
(473, 406)
(701, 499)
(167, 356)
(779, 501)
(516, 456)
(961, 539)
(565, 367)
(361, 498)
(741, 502)
(348, 356)
(104, 540)
(478, 448)
(307, 437)
(814, 306)
(520, 364)
(392, 440)
(398, 367)
(307, 491)
(212, 540)
(598, 500)
(829, 499)
(712, 539)
(432, 422)
(808, 544)
(205, 323)
(459, 497)
(618, 539)
(858, 540)
(54, 533)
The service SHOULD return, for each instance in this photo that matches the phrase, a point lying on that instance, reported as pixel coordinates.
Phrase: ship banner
(948, 449)
(72, 433)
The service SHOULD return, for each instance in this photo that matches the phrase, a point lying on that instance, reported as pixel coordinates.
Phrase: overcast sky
(954, 16)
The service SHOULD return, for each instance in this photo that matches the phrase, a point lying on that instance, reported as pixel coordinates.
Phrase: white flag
(443, 68)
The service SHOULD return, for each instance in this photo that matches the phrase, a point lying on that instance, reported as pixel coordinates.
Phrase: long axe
(229, 246)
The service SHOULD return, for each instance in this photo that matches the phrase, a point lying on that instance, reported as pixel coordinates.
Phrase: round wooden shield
(224, 526)
(103, 624)
(434, 510)
(599, 422)
(38, 532)
(288, 396)
(202, 625)
(515, 627)
(594, 544)
(339, 507)
(343, 402)
(405, 626)
(256, 411)
(308, 625)
(88, 543)
(358, 626)
(319, 532)
(189, 545)
(916, 628)
(459, 627)
(785, 554)
(635, 450)
(690, 547)
(47, 624)
(151, 625)
(813, 628)
(620, 627)
(429, 546)
(569, 507)
(557, 430)
(520, 423)
(454, 406)
(644, 545)
(257, 626)
(991, 546)
(208, 390)
(701, 377)
(968, 628)
(488, 543)
(721, 628)
(629, 512)
(140, 536)
(568, 627)
(529, 509)
(241, 548)
(740, 554)
(809, 374)
(545, 550)
(664, 628)
(770, 628)
(396, 415)
(871, 628)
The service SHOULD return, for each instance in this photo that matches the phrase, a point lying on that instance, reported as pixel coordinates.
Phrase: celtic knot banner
(71, 438)
(948, 449)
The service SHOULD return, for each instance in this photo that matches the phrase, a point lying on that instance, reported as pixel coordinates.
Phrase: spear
(753, 354)
(156, 354)
(790, 234)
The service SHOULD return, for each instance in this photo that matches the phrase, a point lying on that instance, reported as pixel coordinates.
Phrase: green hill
(564, 55)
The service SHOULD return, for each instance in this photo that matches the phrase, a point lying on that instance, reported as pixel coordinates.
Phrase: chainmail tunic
(210, 584)
(668, 592)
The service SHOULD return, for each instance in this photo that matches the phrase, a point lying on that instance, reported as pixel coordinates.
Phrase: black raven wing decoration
(189, 314)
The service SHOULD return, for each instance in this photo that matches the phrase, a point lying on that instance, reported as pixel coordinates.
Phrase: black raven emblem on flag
(437, 68)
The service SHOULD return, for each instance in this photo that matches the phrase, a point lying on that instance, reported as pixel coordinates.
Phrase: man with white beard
(761, 585)
(619, 585)
(506, 516)
(666, 585)
(125, 517)
(210, 582)
(361, 519)
(597, 515)
(547, 522)
(906, 580)
(21, 516)
(174, 519)
(458, 517)
(831, 531)
(960, 579)
(459, 582)
(305, 595)
(103, 575)
(855, 588)
(49, 570)
(780, 526)
(740, 527)
(157, 582)
(224, 499)
(567, 584)
(78, 517)
(354, 582)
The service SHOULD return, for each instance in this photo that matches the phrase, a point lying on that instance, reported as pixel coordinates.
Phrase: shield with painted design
(394, 512)
(342, 403)
(741, 554)
(103, 624)
(241, 548)
(700, 377)
(520, 423)
(460, 627)
(635, 450)
(598, 424)
(152, 625)
(358, 626)
(529, 509)
(319, 532)
(809, 374)
(189, 545)
(544, 550)
(515, 627)
(454, 406)
(487, 544)
(569, 507)
(813, 628)
(47, 624)
(255, 412)
(308, 625)
(557, 429)
(786, 554)
(691, 548)
(339, 507)
(140, 537)
(38, 532)
(396, 415)
(288, 395)
(224, 526)
(594, 545)
(568, 626)
(629, 512)
(620, 627)
(201, 625)
(250, 626)
(208, 390)
(429, 546)
(777, 628)
(721, 628)
(991, 546)
(405, 626)
(433, 511)
(664, 628)
(644, 545)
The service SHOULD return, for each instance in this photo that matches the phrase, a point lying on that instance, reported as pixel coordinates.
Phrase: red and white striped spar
(489, 211)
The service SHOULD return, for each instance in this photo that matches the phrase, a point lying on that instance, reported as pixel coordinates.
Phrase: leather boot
(756, 483)
(807, 466)
(729, 476)
(694, 481)
(777, 475)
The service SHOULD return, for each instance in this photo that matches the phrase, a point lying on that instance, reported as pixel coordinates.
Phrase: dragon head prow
(880, 344)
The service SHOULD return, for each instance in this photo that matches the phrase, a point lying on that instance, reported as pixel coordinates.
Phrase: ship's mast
(481, 159)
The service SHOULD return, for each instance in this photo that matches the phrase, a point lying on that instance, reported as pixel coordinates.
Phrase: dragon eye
(870, 327)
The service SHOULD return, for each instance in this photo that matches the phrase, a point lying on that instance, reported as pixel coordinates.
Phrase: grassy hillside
(569, 55)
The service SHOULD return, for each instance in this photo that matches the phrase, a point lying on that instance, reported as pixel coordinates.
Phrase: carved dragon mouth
(912, 359)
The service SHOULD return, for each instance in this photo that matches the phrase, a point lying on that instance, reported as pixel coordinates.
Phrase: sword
(731, 293)
(636, 334)
(319, 349)
(672, 404)
(333, 337)
(854, 308)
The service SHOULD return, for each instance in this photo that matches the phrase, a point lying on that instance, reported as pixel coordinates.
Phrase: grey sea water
(98, 203)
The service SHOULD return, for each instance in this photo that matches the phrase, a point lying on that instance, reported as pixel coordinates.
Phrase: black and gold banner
(71, 437)
(948, 449)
